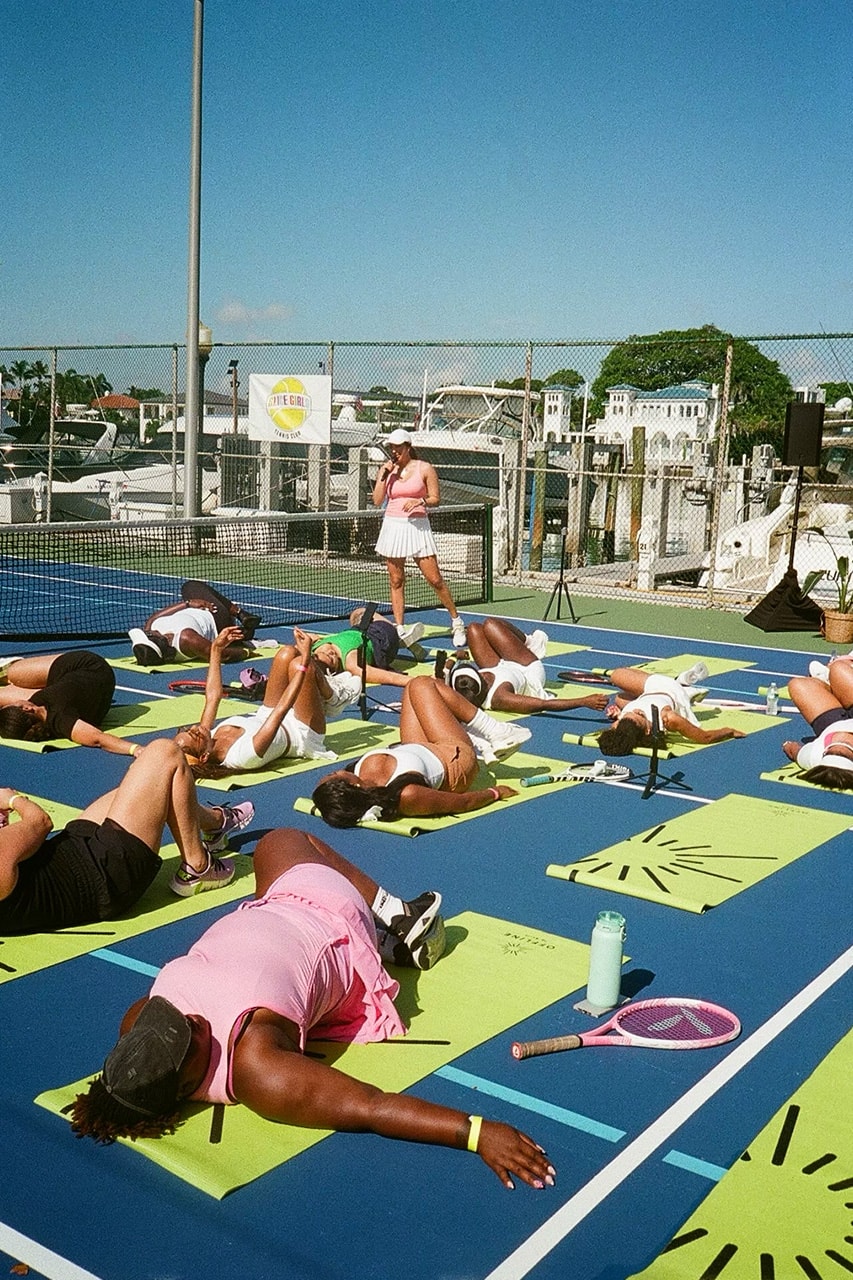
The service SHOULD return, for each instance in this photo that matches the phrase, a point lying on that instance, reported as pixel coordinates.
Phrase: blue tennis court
(639, 1138)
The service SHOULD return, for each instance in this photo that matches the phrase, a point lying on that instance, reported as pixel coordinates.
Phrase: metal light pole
(205, 346)
(192, 480)
(232, 369)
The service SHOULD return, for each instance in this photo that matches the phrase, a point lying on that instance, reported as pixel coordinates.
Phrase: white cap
(398, 437)
(833, 760)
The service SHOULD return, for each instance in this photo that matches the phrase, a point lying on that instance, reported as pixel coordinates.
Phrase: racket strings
(684, 1023)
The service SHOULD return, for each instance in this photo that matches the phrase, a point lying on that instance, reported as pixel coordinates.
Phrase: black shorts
(119, 866)
(81, 875)
(386, 643)
(826, 718)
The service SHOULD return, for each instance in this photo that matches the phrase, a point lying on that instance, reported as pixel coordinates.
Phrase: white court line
(146, 693)
(537, 1246)
(50, 1264)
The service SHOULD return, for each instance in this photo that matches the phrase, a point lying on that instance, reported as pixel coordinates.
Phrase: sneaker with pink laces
(234, 818)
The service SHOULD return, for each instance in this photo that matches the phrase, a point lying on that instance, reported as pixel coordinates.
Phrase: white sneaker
(511, 737)
(819, 671)
(694, 674)
(537, 643)
(458, 633)
(345, 689)
(482, 749)
(410, 635)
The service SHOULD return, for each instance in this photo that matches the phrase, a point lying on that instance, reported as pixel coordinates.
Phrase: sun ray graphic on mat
(789, 1177)
(666, 856)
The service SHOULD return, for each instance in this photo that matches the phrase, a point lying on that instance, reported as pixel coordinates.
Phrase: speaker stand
(366, 619)
(560, 588)
(655, 780)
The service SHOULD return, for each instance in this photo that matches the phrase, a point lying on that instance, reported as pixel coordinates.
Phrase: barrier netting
(97, 580)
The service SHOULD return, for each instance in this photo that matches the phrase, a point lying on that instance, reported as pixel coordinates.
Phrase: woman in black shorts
(103, 861)
(65, 695)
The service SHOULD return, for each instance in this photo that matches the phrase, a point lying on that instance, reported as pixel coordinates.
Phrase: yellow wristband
(474, 1132)
(134, 747)
(10, 804)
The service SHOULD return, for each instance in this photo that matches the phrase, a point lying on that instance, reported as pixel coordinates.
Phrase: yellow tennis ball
(288, 404)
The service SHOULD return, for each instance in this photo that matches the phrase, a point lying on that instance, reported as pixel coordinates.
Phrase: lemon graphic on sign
(288, 404)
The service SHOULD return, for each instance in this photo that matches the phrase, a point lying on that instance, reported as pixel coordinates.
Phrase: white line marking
(537, 1246)
(50, 1264)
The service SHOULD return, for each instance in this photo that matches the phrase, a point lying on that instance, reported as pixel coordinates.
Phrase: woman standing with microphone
(409, 486)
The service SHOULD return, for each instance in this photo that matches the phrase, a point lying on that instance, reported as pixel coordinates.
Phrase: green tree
(759, 390)
(147, 393)
(835, 391)
(564, 378)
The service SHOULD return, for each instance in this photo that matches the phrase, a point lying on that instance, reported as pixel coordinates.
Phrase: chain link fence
(649, 465)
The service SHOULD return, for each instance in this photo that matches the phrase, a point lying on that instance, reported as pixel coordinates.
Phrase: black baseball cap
(143, 1070)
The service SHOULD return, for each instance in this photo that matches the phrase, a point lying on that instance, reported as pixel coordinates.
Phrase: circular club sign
(288, 404)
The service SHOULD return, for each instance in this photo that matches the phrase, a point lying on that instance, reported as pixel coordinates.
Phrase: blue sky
(453, 169)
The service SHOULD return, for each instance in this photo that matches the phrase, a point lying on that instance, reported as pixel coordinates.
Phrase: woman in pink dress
(408, 486)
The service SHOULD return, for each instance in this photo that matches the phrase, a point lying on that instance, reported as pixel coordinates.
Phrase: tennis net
(96, 580)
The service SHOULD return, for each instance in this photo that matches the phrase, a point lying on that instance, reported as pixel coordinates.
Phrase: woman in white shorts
(408, 486)
(509, 675)
(640, 693)
(430, 771)
(825, 699)
(290, 722)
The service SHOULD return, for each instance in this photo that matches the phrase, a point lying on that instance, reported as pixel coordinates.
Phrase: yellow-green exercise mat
(700, 859)
(783, 1210)
(493, 976)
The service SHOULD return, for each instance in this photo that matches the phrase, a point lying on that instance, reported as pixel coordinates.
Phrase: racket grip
(555, 1044)
(537, 780)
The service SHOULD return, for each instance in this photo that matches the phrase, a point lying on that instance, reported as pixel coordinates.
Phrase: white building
(557, 425)
(675, 419)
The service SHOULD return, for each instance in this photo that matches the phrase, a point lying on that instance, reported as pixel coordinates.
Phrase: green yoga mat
(493, 976)
(708, 717)
(684, 661)
(792, 775)
(348, 738)
(190, 666)
(706, 856)
(186, 668)
(508, 772)
(783, 1210)
(20, 956)
(126, 720)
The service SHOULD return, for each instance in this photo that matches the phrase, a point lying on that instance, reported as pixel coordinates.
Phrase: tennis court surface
(732, 1162)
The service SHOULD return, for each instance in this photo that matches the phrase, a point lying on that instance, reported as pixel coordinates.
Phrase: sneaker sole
(433, 946)
(421, 925)
(198, 886)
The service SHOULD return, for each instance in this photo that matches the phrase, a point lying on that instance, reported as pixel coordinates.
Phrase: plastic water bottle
(605, 960)
(771, 706)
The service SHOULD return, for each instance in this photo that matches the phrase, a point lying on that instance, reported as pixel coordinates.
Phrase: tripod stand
(366, 619)
(560, 588)
(654, 778)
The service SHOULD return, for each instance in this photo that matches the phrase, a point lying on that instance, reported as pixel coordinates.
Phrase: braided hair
(342, 803)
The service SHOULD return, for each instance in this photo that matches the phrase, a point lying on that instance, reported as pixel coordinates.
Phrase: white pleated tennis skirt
(402, 536)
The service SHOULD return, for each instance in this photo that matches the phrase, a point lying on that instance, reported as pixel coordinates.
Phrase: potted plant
(838, 622)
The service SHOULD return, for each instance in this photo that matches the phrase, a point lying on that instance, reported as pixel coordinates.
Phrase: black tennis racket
(230, 690)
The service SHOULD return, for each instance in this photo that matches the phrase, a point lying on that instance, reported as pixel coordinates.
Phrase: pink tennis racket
(671, 1022)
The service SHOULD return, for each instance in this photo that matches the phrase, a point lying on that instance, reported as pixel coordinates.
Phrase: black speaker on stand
(785, 608)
